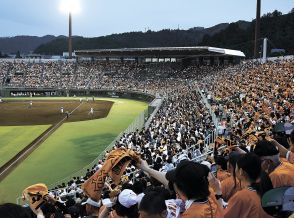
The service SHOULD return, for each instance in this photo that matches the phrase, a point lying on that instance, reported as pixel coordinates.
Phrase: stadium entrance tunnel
(44, 112)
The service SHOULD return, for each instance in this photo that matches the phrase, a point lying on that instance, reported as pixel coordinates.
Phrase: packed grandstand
(249, 106)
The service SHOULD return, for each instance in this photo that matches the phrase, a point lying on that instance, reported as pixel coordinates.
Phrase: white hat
(92, 202)
(127, 198)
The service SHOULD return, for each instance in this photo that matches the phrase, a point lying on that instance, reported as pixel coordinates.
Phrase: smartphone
(213, 169)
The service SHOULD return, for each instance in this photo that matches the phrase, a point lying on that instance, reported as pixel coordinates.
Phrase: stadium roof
(161, 52)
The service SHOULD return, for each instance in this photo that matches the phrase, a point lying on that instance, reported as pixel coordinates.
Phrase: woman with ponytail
(247, 202)
(231, 184)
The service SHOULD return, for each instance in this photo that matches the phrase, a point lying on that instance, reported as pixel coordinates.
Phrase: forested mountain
(23, 44)
(161, 38)
(278, 28)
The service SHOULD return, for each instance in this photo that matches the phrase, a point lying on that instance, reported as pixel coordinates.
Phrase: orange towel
(35, 194)
(114, 166)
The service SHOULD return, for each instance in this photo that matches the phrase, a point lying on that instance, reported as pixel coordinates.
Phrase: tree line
(278, 28)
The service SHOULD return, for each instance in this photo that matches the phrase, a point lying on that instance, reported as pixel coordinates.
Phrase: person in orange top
(247, 202)
(281, 173)
(191, 185)
(222, 172)
(231, 184)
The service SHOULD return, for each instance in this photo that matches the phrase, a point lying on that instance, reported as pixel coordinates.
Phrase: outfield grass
(71, 147)
(14, 138)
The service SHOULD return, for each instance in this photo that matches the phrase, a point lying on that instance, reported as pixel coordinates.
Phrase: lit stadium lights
(70, 6)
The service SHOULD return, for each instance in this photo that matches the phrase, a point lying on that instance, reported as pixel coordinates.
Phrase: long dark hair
(233, 159)
(251, 164)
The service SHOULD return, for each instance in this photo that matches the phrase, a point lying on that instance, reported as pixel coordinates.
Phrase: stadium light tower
(70, 7)
(257, 28)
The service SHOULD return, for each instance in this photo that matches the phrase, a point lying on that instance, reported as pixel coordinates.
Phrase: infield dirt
(40, 112)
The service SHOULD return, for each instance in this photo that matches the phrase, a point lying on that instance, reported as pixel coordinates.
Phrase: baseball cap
(128, 198)
(92, 203)
(281, 198)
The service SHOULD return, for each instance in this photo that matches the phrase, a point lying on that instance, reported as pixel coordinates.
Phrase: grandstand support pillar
(70, 37)
(264, 53)
(257, 28)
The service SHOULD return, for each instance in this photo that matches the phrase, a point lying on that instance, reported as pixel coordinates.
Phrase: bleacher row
(254, 107)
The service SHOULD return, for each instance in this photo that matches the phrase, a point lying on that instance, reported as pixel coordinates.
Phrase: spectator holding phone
(247, 202)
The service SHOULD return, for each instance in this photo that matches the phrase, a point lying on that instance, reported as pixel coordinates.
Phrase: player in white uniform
(91, 111)
(61, 110)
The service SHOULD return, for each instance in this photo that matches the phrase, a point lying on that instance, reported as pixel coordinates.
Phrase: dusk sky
(98, 18)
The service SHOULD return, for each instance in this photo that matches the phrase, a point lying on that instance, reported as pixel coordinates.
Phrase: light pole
(69, 36)
(257, 28)
(70, 7)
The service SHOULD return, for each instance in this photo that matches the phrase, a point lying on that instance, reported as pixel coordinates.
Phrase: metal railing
(158, 106)
(194, 150)
(211, 112)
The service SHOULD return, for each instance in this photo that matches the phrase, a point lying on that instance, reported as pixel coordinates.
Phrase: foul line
(37, 142)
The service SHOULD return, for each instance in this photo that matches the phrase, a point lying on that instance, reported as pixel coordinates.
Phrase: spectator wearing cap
(190, 182)
(281, 173)
(127, 204)
(92, 208)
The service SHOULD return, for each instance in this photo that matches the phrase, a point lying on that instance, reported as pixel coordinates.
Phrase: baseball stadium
(145, 125)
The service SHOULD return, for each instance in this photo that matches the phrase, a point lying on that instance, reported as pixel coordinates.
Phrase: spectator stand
(156, 104)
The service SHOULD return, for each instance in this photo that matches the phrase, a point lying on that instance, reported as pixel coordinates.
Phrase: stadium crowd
(254, 105)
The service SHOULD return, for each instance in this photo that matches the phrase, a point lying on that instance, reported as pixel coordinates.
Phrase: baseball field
(87, 128)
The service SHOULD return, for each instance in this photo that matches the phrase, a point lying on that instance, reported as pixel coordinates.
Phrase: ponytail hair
(264, 185)
(251, 164)
(233, 158)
